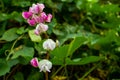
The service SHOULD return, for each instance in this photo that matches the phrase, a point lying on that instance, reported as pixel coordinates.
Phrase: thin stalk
(10, 74)
(57, 71)
(87, 73)
(12, 48)
(46, 75)
(66, 72)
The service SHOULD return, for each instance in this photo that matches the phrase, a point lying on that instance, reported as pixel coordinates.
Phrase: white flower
(49, 44)
(45, 65)
(40, 28)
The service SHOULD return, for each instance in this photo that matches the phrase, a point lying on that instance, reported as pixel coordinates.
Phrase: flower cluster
(36, 16)
(44, 65)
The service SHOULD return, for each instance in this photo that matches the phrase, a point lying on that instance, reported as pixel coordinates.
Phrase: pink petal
(34, 62)
(37, 32)
(42, 17)
(36, 8)
(49, 17)
(26, 15)
(41, 7)
(31, 22)
(36, 18)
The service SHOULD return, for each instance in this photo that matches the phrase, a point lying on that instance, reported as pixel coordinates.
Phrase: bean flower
(45, 65)
(36, 8)
(40, 28)
(49, 44)
(34, 62)
(36, 15)
(26, 15)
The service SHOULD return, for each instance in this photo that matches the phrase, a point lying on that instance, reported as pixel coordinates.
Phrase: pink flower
(49, 44)
(41, 18)
(31, 22)
(48, 18)
(26, 15)
(40, 28)
(35, 15)
(36, 8)
(34, 62)
(36, 18)
(41, 7)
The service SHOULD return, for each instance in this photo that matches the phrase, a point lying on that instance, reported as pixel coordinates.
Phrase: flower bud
(45, 65)
(34, 62)
(48, 18)
(49, 44)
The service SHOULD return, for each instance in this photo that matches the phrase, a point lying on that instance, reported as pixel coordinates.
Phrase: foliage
(88, 31)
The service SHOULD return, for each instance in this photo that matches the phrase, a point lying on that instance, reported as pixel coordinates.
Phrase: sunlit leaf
(34, 37)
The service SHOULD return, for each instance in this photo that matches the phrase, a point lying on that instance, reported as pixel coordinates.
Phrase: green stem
(58, 71)
(66, 72)
(12, 48)
(87, 73)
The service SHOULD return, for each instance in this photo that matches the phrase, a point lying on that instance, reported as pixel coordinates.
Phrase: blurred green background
(96, 22)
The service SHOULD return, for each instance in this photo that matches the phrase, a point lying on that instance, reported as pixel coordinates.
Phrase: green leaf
(19, 76)
(3, 27)
(4, 16)
(13, 62)
(76, 43)
(83, 61)
(21, 30)
(39, 47)
(10, 35)
(26, 52)
(4, 67)
(36, 75)
(16, 16)
(59, 55)
(34, 37)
